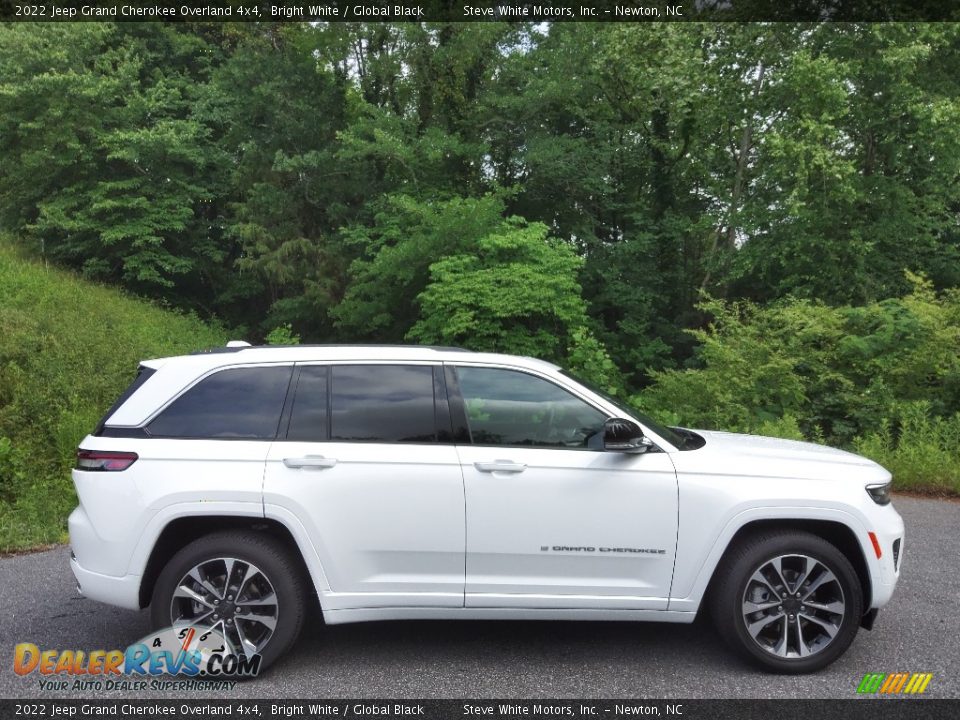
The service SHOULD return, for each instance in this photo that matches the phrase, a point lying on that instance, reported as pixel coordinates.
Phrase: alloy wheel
(232, 596)
(793, 606)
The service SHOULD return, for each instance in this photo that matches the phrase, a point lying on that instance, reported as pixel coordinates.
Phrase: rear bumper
(100, 566)
(123, 591)
(96, 548)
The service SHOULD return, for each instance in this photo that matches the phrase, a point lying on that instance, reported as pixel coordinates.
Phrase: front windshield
(671, 436)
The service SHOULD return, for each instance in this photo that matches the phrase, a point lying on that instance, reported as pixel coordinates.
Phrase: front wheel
(789, 601)
(243, 585)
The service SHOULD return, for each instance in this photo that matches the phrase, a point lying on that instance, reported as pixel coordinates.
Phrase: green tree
(515, 292)
(854, 179)
(275, 111)
(406, 237)
(104, 166)
(311, 174)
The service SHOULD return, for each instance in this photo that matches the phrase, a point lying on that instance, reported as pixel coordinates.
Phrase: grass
(68, 347)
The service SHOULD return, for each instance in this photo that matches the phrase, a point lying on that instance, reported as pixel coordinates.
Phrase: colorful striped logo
(895, 683)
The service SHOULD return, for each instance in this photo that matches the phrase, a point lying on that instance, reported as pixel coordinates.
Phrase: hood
(768, 448)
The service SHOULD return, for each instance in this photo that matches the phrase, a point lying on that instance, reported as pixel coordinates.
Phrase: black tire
(269, 555)
(732, 586)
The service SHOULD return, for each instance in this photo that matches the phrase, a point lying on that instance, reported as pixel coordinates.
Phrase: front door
(554, 521)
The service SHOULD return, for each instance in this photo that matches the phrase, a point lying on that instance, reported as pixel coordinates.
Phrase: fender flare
(308, 551)
(691, 602)
(251, 510)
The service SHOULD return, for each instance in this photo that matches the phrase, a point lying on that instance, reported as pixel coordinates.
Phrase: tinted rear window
(240, 403)
(382, 403)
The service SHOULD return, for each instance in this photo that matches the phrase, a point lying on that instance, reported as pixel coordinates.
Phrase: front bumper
(888, 527)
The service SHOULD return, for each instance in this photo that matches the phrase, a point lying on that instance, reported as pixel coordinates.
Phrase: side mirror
(621, 435)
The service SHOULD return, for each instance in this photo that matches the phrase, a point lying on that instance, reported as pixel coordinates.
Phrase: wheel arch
(181, 531)
(838, 534)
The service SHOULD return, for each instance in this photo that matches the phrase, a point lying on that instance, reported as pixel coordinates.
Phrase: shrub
(883, 378)
(920, 449)
(282, 335)
(840, 369)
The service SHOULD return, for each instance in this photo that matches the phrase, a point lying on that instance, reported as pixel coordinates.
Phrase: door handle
(505, 466)
(316, 462)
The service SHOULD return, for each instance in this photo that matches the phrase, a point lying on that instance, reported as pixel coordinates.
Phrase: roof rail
(238, 345)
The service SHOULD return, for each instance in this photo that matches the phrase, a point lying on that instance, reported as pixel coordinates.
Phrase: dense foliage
(334, 176)
(883, 378)
(730, 221)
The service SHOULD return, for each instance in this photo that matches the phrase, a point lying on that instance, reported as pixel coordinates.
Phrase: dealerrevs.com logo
(895, 683)
(185, 651)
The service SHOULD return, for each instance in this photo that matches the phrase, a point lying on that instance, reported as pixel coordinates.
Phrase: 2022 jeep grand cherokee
(418, 482)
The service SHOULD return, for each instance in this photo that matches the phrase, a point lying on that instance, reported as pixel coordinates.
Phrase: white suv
(224, 488)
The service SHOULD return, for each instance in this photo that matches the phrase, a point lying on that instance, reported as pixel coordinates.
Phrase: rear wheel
(245, 586)
(789, 601)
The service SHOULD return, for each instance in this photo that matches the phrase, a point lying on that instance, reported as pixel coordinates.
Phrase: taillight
(104, 460)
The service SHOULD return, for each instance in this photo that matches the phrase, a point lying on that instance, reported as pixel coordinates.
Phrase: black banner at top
(484, 709)
(480, 11)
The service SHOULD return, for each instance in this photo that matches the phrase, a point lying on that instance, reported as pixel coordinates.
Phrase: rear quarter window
(239, 403)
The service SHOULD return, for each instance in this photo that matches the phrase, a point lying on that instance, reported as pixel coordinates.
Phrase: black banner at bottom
(855, 709)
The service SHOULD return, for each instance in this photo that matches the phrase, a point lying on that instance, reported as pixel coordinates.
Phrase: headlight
(880, 493)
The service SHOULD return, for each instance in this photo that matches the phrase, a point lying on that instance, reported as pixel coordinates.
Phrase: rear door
(366, 462)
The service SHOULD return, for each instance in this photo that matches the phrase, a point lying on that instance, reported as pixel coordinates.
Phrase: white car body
(393, 531)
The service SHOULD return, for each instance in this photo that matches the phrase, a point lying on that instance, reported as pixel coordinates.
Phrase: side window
(382, 403)
(508, 407)
(309, 415)
(240, 403)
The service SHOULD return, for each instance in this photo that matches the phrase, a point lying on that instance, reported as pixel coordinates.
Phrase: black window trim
(458, 408)
(116, 431)
(442, 413)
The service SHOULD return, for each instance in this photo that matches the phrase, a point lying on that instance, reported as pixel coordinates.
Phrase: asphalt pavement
(919, 631)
